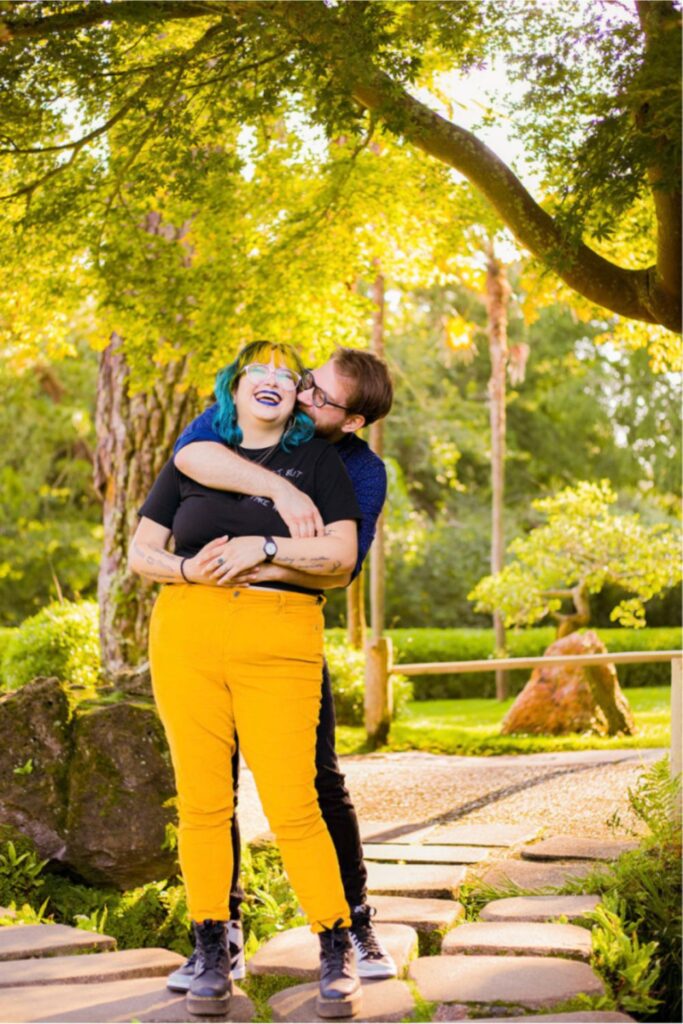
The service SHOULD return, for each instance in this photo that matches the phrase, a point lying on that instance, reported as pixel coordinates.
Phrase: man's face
(330, 421)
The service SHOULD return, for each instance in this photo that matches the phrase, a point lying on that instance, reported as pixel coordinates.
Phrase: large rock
(35, 749)
(572, 698)
(120, 777)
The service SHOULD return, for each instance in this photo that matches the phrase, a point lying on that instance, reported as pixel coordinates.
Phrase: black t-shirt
(196, 514)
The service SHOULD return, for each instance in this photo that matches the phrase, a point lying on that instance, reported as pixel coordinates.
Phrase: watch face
(270, 548)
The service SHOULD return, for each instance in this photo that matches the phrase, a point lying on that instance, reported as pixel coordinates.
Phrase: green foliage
(643, 891)
(62, 640)
(627, 965)
(271, 905)
(425, 645)
(472, 727)
(582, 545)
(347, 674)
(51, 537)
(20, 874)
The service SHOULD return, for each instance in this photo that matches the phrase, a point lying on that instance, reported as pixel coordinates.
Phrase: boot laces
(212, 945)
(364, 933)
(336, 947)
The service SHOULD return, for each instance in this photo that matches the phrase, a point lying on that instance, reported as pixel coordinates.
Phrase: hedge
(417, 645)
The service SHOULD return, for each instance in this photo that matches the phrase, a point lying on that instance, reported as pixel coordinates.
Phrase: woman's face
(266, 400)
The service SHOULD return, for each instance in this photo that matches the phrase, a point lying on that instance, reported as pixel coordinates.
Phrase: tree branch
(97, 13)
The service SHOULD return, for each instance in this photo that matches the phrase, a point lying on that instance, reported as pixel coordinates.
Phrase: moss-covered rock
(120, 777)
(34, 756)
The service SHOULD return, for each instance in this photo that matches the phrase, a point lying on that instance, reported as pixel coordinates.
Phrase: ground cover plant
(472, 726)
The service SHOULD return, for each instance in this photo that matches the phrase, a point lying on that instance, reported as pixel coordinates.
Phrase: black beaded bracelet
(182, 570)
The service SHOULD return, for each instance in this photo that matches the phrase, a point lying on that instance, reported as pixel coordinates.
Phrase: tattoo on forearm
(160, 566)
(320, 563)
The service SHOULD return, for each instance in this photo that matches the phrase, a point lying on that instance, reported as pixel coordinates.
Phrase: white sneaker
(238, 965)
(179, 980)
(372, 959)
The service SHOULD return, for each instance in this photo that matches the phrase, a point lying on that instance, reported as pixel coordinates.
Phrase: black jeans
(336, 807)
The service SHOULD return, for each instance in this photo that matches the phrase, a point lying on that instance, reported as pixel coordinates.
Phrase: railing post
(378, 691)
(676, 715)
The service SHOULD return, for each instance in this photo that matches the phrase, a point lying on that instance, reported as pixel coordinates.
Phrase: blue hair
(301, 427)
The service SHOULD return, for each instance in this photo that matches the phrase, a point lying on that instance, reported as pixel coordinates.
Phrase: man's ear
(353, 423)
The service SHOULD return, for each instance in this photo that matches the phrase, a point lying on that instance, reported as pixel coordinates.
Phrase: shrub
(61, 640)
(347, 673)
(6, 634)
(419, 645)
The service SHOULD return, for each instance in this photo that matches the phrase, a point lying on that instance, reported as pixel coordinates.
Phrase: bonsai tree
(583, 545)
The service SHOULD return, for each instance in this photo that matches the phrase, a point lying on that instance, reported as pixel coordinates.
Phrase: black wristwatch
(270, 548)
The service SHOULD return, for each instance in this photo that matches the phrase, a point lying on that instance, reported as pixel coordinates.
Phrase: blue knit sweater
(366, 470)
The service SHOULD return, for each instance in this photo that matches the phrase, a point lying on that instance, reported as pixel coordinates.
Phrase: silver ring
(220, 561)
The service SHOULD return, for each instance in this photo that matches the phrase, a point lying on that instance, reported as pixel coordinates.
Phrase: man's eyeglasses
(260, 372)
(320, 397)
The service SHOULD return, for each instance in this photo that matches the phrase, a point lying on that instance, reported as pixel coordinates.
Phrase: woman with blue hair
(227, 659)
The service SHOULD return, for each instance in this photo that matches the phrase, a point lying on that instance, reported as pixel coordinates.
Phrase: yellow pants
(246, 661)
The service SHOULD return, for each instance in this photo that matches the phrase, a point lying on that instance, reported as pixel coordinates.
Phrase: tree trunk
(135, 435)
(377, 704)
(355, 613)
(497, 300)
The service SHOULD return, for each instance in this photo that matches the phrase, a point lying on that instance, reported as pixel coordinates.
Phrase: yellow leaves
(459, 338)
(664, 347)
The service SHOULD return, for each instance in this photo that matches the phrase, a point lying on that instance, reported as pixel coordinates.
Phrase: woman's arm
(148, 557)
(332, 554)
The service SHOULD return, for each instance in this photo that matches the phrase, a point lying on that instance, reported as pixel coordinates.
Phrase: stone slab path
(539, 908)
(388, 1001)
(140, 999)
(530, 874)
(529, 982)
(19, 942)
(527, 938)
(516, 954)
(590, 1017)
(436, 881)
(54, 970)
(414, 853)
(425, 915)
(577, 848)
(295, 952)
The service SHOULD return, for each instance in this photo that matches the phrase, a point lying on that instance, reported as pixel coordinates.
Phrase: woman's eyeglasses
(320, 397)
(260, 372)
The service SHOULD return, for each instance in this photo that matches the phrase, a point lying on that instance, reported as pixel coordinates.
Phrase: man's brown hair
(371, 391)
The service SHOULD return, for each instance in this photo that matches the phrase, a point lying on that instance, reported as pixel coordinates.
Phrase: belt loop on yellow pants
(250, 661)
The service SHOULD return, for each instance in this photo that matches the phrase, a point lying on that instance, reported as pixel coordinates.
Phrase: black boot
(340, 993)
(211, 988)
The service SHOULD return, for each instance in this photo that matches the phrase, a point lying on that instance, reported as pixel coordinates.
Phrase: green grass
(473, 726)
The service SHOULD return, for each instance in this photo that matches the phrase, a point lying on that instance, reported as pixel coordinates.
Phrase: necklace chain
(263, 457)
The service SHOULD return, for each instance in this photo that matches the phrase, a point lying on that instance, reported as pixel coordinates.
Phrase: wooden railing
(380, 666)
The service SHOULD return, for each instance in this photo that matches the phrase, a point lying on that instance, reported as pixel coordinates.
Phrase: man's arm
(201, 454)
(278, 573)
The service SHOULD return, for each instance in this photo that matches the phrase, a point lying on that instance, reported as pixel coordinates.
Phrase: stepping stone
(590, 1016)
(140, 999)
(60, 970)
(431, 880)
(415, 854)
(526, 938)
(576, 848)
(19, 942)
(528, 875)
(422, 914)
(389, 831)
(525, 981)
(389, 1000)
(480, 835)
(538, 908)
(296, 952)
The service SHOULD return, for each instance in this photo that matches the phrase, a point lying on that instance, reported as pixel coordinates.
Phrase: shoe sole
(349, 1006)
(184, 986)
(377, 974)
(208, 1006)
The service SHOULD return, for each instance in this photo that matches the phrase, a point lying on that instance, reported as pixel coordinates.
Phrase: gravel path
(574, 793)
